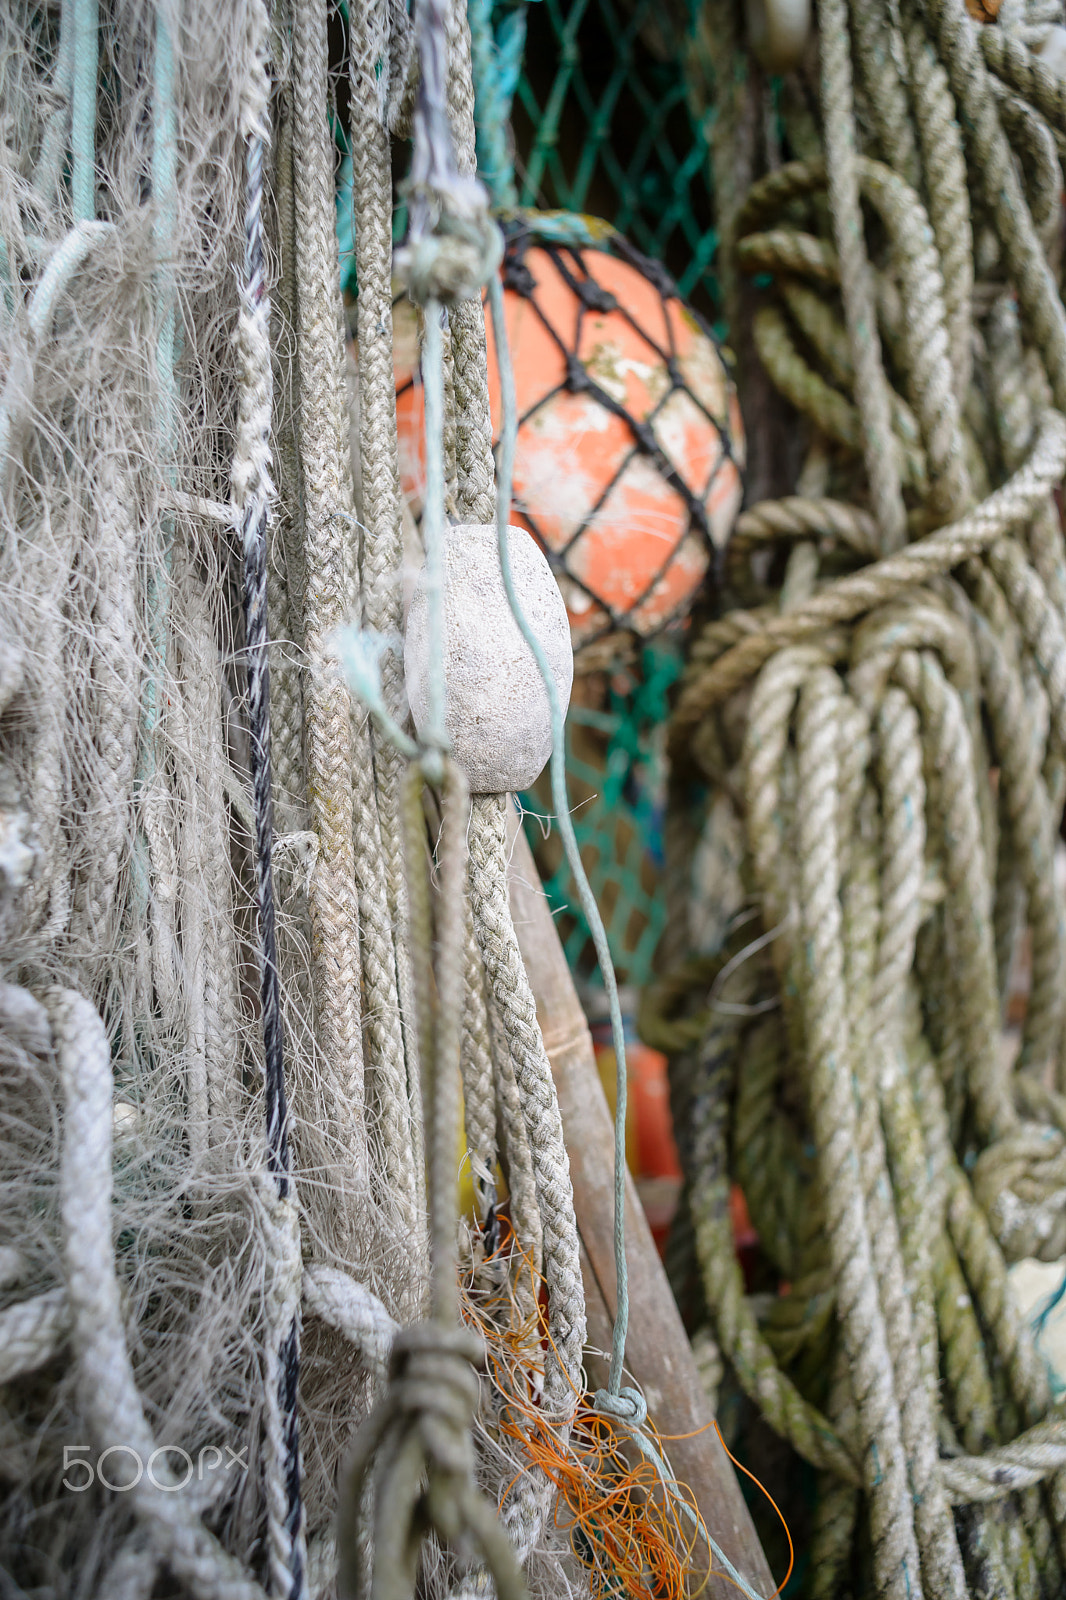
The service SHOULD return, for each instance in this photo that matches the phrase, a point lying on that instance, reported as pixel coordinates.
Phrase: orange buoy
(630, 445)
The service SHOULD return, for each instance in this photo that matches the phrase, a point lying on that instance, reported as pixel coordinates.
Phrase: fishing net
(629, 550)
(605, 123)
(608, 120)
(616, 770)
(177, 434)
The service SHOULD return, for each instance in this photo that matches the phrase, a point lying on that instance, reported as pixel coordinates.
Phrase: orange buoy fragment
(630, 446)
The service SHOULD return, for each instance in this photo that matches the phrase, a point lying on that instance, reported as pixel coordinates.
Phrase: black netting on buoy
(577, 267)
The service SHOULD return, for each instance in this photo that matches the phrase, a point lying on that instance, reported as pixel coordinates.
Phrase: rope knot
(627, 1407)
(420, 1439)
(452, 262)
(453, 247)
(434, 1384)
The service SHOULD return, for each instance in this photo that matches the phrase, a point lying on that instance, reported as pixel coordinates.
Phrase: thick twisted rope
(1005, 509)
(888, 892)
(513, 1001)
(107, 1386)
(833, 1125)
(944, 171)
(990, 159)
(855, 279)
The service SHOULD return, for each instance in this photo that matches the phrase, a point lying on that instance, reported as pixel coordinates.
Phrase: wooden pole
(658, 1353)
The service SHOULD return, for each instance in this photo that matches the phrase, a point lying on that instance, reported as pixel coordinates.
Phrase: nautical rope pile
(213, 1141)
(879, 721)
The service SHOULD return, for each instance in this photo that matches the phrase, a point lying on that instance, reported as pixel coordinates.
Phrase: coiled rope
(898, 634)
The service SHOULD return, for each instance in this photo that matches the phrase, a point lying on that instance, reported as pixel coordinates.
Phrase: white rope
(107, 1385)
(31, 1332)
(354, 1310)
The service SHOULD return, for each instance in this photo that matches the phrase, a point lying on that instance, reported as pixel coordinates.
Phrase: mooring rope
(852, 711)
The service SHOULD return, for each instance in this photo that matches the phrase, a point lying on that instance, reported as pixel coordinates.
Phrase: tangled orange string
(637, 1535)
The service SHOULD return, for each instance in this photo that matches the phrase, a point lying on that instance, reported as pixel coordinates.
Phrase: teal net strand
(626, 793)
(492, 108)
(83, 110)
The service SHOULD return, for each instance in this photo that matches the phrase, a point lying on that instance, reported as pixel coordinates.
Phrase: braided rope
(285, 566)
(479, 1090)
(476, 499)
(252, 492)
(390, 1001)
(327, 508)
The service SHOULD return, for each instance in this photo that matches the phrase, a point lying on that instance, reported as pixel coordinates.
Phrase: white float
(498, 714)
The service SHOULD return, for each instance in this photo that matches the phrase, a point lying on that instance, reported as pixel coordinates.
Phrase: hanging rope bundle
(189, 1154)
(422, 1431)
(879, 722)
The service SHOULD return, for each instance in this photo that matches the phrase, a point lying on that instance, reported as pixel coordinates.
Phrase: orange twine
(635, 1534)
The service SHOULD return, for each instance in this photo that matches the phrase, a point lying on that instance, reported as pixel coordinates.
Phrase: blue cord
(492, 101)
(83, 109)
(561, 805)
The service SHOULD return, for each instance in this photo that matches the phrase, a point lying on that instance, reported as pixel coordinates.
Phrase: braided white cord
(516, 1009)
(382, 590)
(287, 1552)
(387, 1082)
(327, 508)
(115, 652)
(476, 497)
(209, 957)
(285, 566)
(252, 490)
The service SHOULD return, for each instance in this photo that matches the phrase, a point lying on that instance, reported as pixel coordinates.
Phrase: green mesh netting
(603, 124)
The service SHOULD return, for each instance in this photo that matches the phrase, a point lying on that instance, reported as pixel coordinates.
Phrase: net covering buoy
(630, 446)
